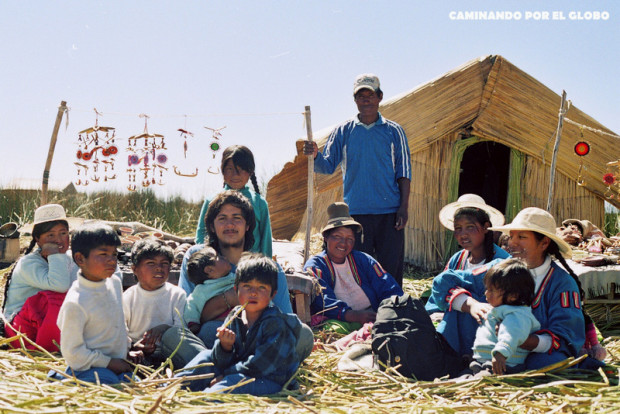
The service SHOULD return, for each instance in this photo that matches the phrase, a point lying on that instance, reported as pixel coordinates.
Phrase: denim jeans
(105, 375)
(191, 345)
(259, 386)
(207, 333)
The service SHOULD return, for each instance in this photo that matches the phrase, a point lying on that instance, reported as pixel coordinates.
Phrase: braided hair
(241, 157)
(37, 231)
(554, 250)
(482, 217)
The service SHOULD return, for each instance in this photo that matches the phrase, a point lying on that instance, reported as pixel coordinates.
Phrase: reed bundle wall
(486, 99)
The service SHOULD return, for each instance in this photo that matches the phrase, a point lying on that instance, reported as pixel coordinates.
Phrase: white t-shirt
(146, 309)
(347, 290)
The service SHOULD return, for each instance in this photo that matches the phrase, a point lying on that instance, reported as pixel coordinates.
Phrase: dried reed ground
(25, 388)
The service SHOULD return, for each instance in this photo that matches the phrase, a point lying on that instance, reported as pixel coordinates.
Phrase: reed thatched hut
(486, 127)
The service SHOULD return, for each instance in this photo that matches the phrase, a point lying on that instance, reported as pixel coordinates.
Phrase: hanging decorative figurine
(184, 135)
(178, 172)
(216, 135)
(92, 142)
(146, 155)
(612, 180)
(582, 148)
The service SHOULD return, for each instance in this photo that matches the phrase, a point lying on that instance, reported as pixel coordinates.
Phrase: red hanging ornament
(609, 179)
(582, 148)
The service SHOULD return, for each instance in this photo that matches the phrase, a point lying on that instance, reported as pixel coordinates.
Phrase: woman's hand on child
(499, 364)
(118, 366)
(226, 337)
(477, 310)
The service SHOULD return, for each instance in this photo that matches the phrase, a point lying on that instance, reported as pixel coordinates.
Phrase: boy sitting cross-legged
(93, 333)
(260, 341)
(153, 305)
(212, 274)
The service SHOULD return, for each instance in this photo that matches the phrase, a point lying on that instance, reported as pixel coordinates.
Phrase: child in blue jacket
(510, 290)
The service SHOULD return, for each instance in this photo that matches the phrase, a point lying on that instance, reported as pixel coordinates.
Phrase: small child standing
(94, 340)
(510, 290)
(212, 275)
(153, 305)
(237, 169)
(257, 340)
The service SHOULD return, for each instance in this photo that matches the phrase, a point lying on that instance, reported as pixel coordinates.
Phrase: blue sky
(252, 66)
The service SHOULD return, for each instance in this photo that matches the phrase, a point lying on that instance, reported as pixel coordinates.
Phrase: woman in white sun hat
(558, 302)
(470, 218)
(40, 279)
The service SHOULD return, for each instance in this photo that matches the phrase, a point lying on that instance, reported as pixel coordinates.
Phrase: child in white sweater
(153, 305)
(94, 339)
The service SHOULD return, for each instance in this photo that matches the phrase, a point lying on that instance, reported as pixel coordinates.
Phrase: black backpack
(403, 335)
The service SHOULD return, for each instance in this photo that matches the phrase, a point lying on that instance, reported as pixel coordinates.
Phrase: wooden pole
(50, 154)
(310, 186)
(555, 150)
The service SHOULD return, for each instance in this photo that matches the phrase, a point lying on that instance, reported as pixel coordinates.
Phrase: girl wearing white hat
(470, 219)
(40, 280)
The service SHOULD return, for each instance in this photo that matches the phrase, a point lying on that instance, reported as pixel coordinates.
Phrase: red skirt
(37, 321)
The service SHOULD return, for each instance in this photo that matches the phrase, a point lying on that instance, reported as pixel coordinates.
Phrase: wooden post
(310, 186)
(555, 151)
(50, 154)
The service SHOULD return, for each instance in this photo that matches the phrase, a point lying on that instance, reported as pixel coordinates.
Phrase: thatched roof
(487, 97)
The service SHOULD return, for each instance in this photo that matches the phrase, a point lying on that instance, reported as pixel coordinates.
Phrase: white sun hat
(446, 215)
(538, 220)
(50, 212)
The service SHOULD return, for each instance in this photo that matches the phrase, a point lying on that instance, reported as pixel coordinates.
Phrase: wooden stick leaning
(310, 186)
(555, 151)
(237, 312)
(50, 154)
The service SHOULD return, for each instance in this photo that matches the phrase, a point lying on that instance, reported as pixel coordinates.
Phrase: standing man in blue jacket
(376, 170)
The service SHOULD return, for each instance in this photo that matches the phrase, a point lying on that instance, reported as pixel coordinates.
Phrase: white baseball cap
(366, 81)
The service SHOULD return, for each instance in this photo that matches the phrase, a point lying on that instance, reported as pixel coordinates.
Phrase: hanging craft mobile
(92, 143)
(582, 148)
(178, 172)
(184, 135)
(612, 180)
(147, 158)
(216, 135)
